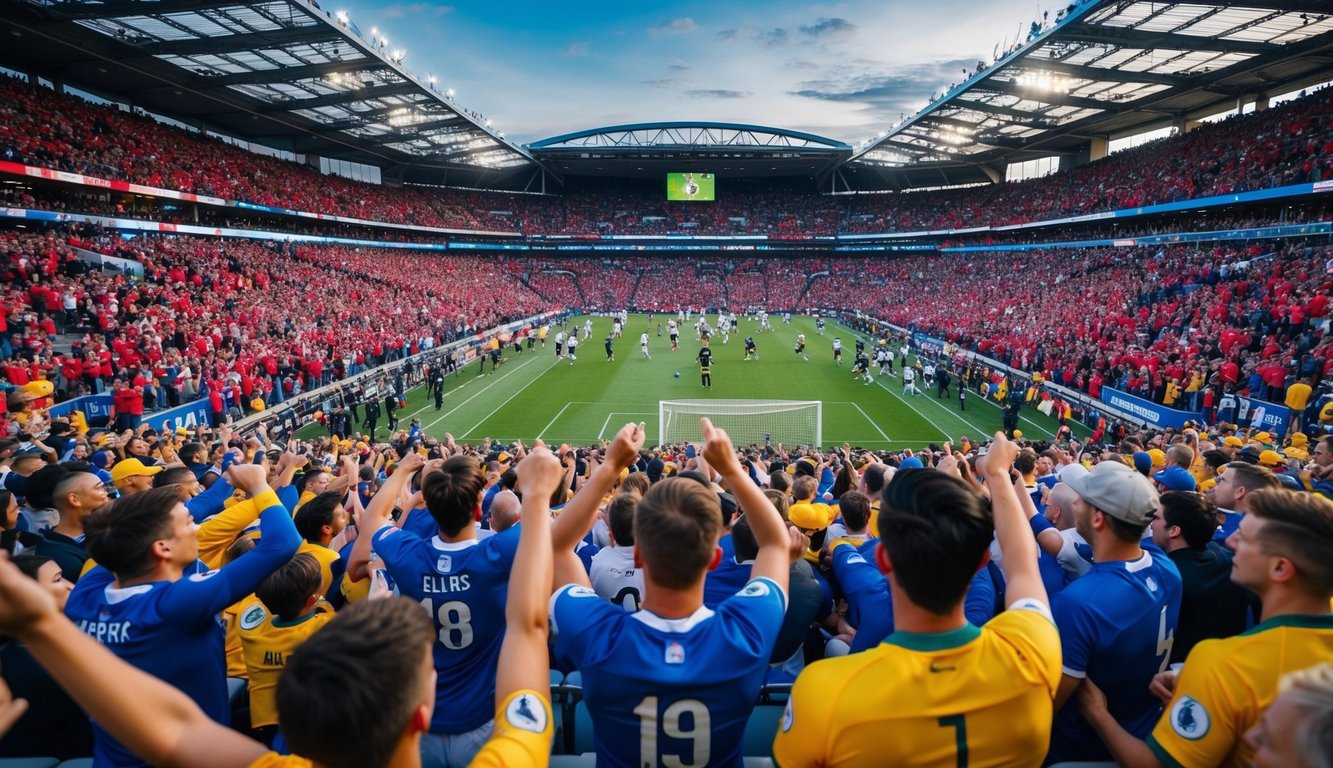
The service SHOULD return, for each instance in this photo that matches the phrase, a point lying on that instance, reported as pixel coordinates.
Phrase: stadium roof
(727, 149)
(284, 73)
(1101, 70)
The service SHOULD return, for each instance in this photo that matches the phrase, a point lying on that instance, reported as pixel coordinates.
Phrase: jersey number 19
(699, 733)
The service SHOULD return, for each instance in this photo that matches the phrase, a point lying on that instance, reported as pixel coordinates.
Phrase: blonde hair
(1311, 690)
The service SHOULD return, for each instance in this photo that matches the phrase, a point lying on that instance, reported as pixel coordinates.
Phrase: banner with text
(1151, 413)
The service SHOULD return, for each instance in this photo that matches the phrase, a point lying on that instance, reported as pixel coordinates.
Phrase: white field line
(497, 408)
(482, 391)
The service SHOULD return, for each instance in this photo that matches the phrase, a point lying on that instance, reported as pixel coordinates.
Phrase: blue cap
(1176, 479)
(911, 463)
(1142, 461)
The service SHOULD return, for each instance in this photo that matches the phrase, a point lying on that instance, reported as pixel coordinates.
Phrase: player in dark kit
(705, 358)
(751, 353)
(610, 353)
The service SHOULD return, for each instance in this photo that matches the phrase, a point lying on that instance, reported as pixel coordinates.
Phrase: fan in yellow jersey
(358, 693)
(948, 693)
(1284, 554)
(285, 613)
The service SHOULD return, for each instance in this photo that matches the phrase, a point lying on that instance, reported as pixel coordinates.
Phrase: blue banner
(1147, 411)
(1270, 417)
(96, 408)
(189, 416)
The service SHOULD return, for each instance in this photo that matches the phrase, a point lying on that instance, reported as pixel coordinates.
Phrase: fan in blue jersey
(358, 695)
(1117, 622)
(461, 581)
(676, 682)
(141, 603)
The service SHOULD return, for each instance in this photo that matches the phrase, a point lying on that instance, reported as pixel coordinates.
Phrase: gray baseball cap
(1118, 491)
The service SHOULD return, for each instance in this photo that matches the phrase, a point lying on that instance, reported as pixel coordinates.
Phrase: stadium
(280, 306)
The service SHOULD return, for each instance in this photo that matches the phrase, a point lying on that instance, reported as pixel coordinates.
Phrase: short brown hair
(620, 518)
(348, 692)
(1253, 477)
(1299, 527)
(453, 493)
(676, 528)
(803, 488)
(286, 590)
(120, 536)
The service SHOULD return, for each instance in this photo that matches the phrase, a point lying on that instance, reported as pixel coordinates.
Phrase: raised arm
(154, 720)
(1022, 577)
(377, 515)
(770, 532)
(577, 517)
(523, 657)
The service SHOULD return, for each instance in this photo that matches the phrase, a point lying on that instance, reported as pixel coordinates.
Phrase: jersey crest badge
(253, 616)
(526, 713)
(1189, 719)
(675, 653)
(444, 564)
(787, 716)
(755, 589)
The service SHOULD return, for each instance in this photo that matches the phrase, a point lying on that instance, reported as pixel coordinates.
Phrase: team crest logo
(1152, 584)
(253, 616)
(580, 592)
(444, 564)
(675, 653)
(755, 589)
(1189, 719)
(203, 576)
(787, 716)
(526, 713)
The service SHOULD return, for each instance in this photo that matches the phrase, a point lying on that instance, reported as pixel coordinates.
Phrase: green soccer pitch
(535, 395)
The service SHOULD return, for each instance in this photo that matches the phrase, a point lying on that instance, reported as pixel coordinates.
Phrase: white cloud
(678, 26)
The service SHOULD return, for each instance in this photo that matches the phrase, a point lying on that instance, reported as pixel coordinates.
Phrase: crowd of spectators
(234, 319)
(1287, 144)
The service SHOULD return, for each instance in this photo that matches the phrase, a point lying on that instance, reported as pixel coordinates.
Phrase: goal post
(791, 422)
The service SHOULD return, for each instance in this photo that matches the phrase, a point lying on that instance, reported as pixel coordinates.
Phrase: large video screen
(690, 187)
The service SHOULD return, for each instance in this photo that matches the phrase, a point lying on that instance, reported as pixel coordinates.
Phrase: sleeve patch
(1036, 606)
(755, 589)
(1190, 719)
(526, 713)
(203, 576)
(787, 716)
(253, 616)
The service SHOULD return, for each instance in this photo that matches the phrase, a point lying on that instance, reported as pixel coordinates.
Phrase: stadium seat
(583, 729)
(760, 730)
(29, 762)
(557, 677)
(774, 693)
(78, 762)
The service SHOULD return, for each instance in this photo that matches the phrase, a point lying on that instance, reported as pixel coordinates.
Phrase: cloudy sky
(843, 70)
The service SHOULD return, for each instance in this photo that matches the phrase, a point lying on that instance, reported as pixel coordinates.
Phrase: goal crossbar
(791, 422)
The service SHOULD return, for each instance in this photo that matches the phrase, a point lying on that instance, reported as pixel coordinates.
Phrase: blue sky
(843, 70)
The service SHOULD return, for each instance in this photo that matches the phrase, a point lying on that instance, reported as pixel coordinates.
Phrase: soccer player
(705, 359)
(1117, 622)
(1284, 554)
(572, 346)
(460, 581)
(610, 352)
(674, 683)
(751, 352)
(763, 322)
(819, 326)
(949, 693)
(152, 603)
(673, 331)
(837, 349)
(587, 327)
(909, 381)
(284, 615)
(643, 346)
(862, 368)
(559, 344)
(371, 714)
(800, 346)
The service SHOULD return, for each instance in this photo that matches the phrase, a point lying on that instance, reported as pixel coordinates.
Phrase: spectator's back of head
(1193, 513)
(743, 543)
(620, 518)
(1297, 526)
(321, 517)
(346, 702)
(288, 591)
(779, 481)
(803, 488)
(40, 489)
(854, 507)
(453, 493)
(934, 531)
(506, 509)
(676, 528)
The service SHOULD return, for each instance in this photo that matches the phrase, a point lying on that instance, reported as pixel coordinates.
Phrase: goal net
(790, 422)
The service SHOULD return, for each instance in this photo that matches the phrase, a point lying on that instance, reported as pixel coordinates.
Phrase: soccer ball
(678, 374)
